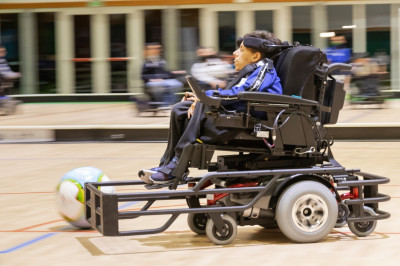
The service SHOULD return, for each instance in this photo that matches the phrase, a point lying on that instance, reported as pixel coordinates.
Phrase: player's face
(3, 52)
(243, 57)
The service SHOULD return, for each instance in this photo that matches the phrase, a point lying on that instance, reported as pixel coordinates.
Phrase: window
(46, 52)
(119, 82)
(227, 31)
(153, 26)
(264, 20)
(189, 37)
(82, 54)
(301, 24)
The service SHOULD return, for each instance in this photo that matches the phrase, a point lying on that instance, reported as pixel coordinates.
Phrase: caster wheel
(343, 213)
(362, 229)
(197, 223)
(228, 234)
(306, 211)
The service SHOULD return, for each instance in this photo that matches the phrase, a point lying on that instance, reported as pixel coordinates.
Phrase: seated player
(188, 122)
(160, 84)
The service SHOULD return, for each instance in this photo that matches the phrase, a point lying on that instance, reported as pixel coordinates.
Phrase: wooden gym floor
(32, 232)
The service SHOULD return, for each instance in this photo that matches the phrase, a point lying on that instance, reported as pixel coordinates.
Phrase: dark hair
(266, 35)
(147, 45)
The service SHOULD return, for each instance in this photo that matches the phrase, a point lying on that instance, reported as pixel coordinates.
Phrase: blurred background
(97, 46)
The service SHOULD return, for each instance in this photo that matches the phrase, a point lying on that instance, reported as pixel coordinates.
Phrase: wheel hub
(310, 213)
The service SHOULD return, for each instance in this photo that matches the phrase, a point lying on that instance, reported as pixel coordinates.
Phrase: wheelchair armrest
(274, 98)
(211, 101)
(339, 66)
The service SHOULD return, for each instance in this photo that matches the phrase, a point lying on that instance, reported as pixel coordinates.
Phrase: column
(100, 53)
(319, 23)
(135, 36)
(208, 25)
(65, 75)
(360, 31)
(283, 23)
(245, 22)
(171, 37)
(28, 53)
(394, 46)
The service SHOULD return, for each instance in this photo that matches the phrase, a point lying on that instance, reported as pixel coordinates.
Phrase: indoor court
(33, 233)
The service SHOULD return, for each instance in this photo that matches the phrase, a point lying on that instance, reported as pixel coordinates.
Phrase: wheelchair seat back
(297, 67)
(304, 73)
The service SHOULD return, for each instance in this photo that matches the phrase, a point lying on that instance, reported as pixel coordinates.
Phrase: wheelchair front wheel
(306, 211)
(228, 233)
(197, 222)
(362, 229)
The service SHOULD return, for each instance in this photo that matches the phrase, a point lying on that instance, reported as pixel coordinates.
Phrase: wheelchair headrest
(258, 44)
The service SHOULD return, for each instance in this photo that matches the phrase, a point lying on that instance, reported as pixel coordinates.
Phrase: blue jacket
(338, 55)
(271, 83)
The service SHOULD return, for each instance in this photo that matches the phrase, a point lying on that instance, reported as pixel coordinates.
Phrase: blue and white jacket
(263, 78)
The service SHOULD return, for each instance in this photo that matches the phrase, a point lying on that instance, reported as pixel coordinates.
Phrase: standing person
(159, 83)
(338, 52)
(6, 74)
(210, 70)
(188, 121)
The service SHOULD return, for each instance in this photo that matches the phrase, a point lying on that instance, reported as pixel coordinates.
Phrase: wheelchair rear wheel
(306, 211)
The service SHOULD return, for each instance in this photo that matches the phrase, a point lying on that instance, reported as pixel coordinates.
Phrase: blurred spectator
(7, 76)
(338, 52)
(160, 84)
(366, 74)
(210, 70)
(383, 60)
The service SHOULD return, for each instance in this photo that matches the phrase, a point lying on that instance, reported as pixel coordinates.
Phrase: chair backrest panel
(296, 68)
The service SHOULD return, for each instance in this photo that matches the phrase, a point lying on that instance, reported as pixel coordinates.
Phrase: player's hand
(189, 96)
(191, 109)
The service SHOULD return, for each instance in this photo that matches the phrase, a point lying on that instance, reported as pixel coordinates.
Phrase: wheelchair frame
(238, 192)
(102, 208)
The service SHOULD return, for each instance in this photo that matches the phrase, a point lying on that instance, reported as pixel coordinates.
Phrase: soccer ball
(70, 193)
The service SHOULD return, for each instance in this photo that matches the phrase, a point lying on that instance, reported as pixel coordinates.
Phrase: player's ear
(256, 57)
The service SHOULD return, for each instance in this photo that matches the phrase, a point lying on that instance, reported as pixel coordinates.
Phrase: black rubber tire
(197, 222)
(343, 213)
(306, 211)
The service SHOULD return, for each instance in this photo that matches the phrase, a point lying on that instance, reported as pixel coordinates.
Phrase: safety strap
(246, 70)
(267, 67)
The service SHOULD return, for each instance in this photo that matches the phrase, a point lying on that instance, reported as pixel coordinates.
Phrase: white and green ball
(70, 193)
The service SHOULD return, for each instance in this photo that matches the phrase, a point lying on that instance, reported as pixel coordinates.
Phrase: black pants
(177, 125)
(184, 131)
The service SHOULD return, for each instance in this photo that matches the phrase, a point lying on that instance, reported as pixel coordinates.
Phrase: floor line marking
(32, 241)
(49, 231)
(37, 225)
(27, 243)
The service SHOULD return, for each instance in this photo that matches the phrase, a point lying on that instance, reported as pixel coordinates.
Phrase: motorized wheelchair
(152, 102)
(279, 170)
